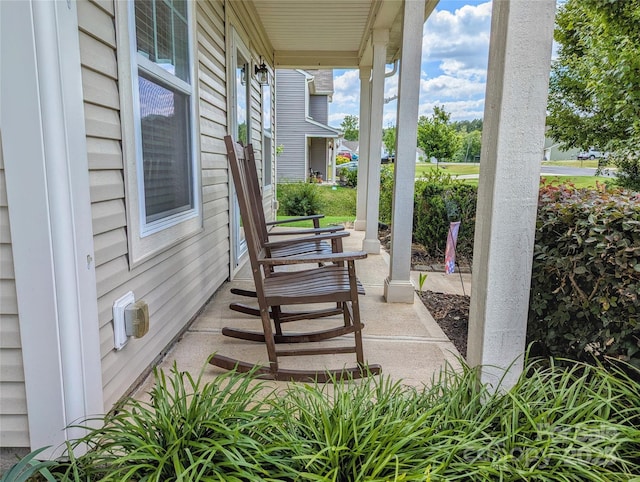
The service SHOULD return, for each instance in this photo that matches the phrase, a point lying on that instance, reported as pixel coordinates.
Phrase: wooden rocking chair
(331, 283)
(297, 247)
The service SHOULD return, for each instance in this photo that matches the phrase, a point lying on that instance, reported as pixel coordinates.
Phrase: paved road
(558, 171)
(571, 171)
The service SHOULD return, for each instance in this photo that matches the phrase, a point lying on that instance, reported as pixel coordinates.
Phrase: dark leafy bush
(350, 176)
(386, 194)
(299, 199)
(440, 200)
(586, 274)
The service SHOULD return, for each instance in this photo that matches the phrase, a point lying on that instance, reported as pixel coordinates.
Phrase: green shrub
(190, 430)
(576, 423)
(440, 200)
(386, 194)
(586, 274)
(350, 176)
(299, 199)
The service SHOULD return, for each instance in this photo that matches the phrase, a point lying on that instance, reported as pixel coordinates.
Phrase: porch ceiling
(332, 33)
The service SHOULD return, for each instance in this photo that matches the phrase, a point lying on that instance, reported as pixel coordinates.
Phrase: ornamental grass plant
(558, 423)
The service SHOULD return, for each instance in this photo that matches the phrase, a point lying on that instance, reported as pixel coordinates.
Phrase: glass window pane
(164, 32)
(162, 35)
(181, 48)
(266, 158)
(241, 105)
(144, 28)
(166, 152)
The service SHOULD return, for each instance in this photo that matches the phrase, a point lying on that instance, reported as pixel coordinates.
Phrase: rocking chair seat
(319, 285)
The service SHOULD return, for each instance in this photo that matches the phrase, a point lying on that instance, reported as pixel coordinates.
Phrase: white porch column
(512, 140)
(380, 38)
(47, 177)
(398, 286)
(363, 143)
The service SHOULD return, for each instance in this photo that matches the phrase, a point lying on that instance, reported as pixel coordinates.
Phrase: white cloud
(451, 87)
(462, 35)
(335, 118)
(455, 48)
(459, 109)
(347, 89)
(454, 66)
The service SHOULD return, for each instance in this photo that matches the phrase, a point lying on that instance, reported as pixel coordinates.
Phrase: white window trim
(271, 155)
(236, 43)
(146, 240)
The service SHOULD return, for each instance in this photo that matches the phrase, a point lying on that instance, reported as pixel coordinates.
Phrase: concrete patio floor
(403, 338)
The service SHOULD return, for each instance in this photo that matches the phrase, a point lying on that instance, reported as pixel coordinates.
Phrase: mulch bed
(450, 311)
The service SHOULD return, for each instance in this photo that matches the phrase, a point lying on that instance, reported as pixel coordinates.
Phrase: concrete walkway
(403, 338)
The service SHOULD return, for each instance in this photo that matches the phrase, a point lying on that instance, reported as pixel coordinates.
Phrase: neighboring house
(302, 116)
(350, 147)
(553, 151)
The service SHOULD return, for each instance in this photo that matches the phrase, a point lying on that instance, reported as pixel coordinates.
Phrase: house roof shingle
(322, 81)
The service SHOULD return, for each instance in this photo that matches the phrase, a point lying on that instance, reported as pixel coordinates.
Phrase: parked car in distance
(387, 159)
(592, 153)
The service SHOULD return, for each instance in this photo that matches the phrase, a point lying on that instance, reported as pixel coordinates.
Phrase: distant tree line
(438, 137)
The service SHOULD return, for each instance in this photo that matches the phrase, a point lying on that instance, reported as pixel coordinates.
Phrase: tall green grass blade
(29, 467)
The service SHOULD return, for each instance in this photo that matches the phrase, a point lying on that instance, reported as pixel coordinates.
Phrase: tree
(389, 140)
(349, 127)
(468, 125)
(469, 147)
(436, 136)
(594, 94)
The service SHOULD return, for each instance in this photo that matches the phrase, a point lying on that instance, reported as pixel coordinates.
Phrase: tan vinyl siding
(177, 282)
(13, 399)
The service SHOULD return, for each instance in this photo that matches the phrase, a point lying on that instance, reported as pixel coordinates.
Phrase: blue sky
(455, 48)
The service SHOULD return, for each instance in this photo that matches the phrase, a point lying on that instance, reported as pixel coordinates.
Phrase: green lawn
(573, 163)
(338, 206)
(453, 169)
(339, 203)
(470, 169)
(578, 181)
(324, 222)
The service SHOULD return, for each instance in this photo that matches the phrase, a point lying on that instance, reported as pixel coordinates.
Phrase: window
(161, 162)
(267, 137)
(240, 124)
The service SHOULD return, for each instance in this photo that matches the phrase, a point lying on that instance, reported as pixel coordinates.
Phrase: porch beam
(398, 286)
(363, 145)
(512, 141)
(380, 39)
(318, 59)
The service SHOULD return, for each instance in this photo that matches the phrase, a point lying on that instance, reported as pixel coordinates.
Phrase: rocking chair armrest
(328, 229)
(306, 239)
(314, 258)
(313, 217)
